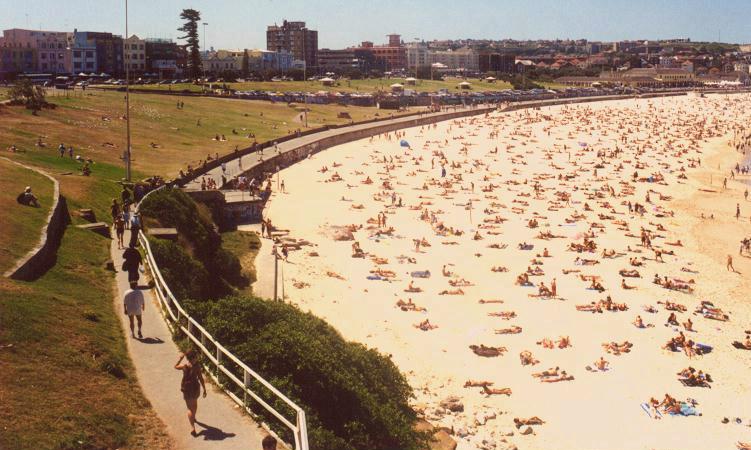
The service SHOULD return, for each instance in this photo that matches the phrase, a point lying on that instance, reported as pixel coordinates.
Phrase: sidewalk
(223, 425)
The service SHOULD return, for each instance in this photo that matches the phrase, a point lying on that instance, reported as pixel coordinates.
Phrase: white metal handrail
(201, 338)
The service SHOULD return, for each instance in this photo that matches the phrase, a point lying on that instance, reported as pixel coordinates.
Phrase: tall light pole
(205, 50)
(127, 100)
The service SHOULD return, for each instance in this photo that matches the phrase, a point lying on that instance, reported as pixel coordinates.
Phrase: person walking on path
(191, 384)
(730, 264)
(119, 230)
(134, 304)
(132, 261)
(268, 443)
(135, 228)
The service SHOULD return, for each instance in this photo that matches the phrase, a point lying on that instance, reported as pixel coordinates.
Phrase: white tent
(464, 85)
(397, 87)
(411, 81)
(327, 81)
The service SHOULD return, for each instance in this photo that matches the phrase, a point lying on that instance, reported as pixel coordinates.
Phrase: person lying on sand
(412, 288)
(552, 372)
(409, 306)
(616, 348)
(563, 377)
(495, 391)
(526, 422)
(626, 286)
(425, 325)
(498, 269)
(488, 352)
(458, 291)
(629, 273)
(526, 358)
(471, 383)
(506, 315)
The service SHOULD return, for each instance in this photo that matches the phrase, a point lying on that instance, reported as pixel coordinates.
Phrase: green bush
(199, 268)
(354, 398)
(186, 277)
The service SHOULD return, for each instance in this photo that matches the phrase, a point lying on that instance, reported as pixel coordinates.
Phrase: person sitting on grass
(27, 198)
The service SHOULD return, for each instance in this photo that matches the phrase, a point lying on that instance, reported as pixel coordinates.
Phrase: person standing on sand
(729, 265)
(737, 211)
(133, 305)
(191, 384)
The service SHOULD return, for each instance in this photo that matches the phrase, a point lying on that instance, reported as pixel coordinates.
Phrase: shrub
(201, 269)
(354, 397)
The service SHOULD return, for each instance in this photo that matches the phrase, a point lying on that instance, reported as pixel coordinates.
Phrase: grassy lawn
(92, 124)
(245, 245)
(363, 86)
(66, 380)
(21, 225)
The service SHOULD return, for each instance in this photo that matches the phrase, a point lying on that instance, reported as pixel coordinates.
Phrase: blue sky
(242, 23)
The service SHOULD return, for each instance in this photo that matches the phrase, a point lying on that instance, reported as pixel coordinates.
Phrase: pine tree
(190, 28)
(245, 64)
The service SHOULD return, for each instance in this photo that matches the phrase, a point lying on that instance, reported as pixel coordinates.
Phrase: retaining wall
(42, 257)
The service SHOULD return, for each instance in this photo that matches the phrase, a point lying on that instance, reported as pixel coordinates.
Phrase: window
(77, 54)
(89, 54)
(77, 65)
(43, 56)
(60, 45)
(44, 45)
(89, 65)
(44, 66)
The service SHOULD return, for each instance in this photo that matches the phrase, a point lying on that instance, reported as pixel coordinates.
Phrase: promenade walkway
(222, 424)
(239, 165)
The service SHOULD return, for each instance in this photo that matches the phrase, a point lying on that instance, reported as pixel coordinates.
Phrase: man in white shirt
(134, 304)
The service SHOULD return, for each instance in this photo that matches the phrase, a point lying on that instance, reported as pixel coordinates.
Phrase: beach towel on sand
(648, 410)
(421, 274)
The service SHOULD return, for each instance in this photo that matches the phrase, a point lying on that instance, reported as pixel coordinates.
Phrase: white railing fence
(220, 360)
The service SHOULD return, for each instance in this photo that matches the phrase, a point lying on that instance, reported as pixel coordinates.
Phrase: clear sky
(242, 23)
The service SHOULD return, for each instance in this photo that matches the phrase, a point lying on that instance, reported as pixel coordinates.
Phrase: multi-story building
(336, 60)
(260, 60)
(220, 61)
(49, 50)
(496, 62)
(109, 50)
(417, 55)
(294, 38)
(135, 55)
(460, 59)
(83, 54)
(392, 56)
(164, 57)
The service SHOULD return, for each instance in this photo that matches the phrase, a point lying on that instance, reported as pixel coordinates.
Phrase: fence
(222, 361)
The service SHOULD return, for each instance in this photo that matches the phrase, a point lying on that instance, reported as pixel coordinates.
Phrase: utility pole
(206, 51)
(127, 100)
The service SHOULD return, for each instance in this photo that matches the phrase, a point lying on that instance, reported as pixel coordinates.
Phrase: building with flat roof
(164, 57)
(296, 39)
(35, 51)
(135, 55)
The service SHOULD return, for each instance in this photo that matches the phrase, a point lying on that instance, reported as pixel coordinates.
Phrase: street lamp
(205, 51)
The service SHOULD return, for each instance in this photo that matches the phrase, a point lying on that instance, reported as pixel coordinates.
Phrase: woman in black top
(191, 384)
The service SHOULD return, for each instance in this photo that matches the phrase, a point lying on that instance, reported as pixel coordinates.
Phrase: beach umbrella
(404, 143)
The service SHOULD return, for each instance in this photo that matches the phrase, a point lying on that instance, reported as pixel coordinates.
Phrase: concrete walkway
(239, 165)
(223, 425)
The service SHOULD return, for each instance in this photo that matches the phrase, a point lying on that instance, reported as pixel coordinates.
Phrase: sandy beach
(609, 198)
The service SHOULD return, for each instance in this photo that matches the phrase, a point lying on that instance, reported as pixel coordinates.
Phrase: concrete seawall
(42, 257)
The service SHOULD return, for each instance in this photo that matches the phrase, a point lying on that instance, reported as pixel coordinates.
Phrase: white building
(417, 55)
(135, 54)
(463, 58)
